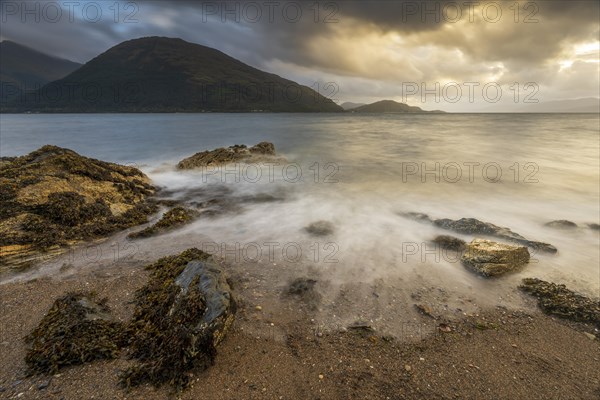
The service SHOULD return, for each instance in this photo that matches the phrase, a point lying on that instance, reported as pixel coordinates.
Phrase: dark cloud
(364, 44)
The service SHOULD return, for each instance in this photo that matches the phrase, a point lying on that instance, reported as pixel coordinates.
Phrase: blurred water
(360, 173)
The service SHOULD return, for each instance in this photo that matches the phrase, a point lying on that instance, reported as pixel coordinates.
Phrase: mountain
(23, 68)
(349, 105)
(158, 74)
(390, 106)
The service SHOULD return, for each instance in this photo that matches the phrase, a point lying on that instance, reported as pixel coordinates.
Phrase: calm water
(361, 172)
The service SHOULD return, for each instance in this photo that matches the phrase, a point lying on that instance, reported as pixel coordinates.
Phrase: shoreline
(282, 351)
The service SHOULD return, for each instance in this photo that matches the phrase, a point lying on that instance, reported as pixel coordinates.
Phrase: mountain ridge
(159, 74)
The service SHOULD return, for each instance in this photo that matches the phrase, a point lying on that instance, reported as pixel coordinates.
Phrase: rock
(320, 228)
(489, 258)
(558, 300)
(263, 148)
(77, 329)
(561, 224)
(450, 243)
(43, 385)
(305, 289)
(590, 335)
(595, 227)
(472, 226)
(425, 310)
(181, 316)
(170, 220)
(54, 197)
(415, 216)
(262, 152)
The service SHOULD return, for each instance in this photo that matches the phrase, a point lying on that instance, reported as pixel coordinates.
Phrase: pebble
(407, 368)
(321, 376)
(258, 308)
(43, 385)
(590, 336)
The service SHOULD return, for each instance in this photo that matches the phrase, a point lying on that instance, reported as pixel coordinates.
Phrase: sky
(450, 55)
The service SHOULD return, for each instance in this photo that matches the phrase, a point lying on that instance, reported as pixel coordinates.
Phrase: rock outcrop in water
(490, 259)
(449, 243)
(54, 197)
(262, 152)
(561, 224)
(472, 226)
(557, 300)
(320, 228)
(172, 219)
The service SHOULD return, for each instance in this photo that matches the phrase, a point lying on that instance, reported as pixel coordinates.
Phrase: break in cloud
(548, 50)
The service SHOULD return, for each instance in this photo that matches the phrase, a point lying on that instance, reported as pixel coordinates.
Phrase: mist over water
(361, 173)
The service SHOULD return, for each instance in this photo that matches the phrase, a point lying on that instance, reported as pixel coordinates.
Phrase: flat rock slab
(489, 258)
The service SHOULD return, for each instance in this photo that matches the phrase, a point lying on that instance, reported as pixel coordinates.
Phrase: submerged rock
(320, 228)
(77, 329)
(595, 227)
(489, 258)
(262, 152)
(474, 226)
(561, 224)
(304, 288)
(171, 220)
(53, 197)
(558, 300)
(181, 316)
(450, 243)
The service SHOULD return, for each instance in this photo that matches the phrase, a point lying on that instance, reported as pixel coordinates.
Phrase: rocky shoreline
(169, 319)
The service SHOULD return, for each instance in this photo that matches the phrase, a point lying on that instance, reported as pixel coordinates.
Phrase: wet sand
(289, 349)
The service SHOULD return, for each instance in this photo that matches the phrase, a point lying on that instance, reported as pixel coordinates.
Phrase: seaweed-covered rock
(320, 228)
(262, 152)
(561, 224)
(474, 226)
(489, 258)
(170, 220)
(558, 300)
(449, 243)
(181, 315)
(54, 197)
(77, 329)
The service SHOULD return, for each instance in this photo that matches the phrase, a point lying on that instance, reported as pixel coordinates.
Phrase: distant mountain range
(349, 105)
(158, 74)
(23, 68)
(390, 106)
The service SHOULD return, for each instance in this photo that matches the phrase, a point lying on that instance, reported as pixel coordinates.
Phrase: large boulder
(181, 316)
(53, 197)
(262, 152)
(489, 258)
